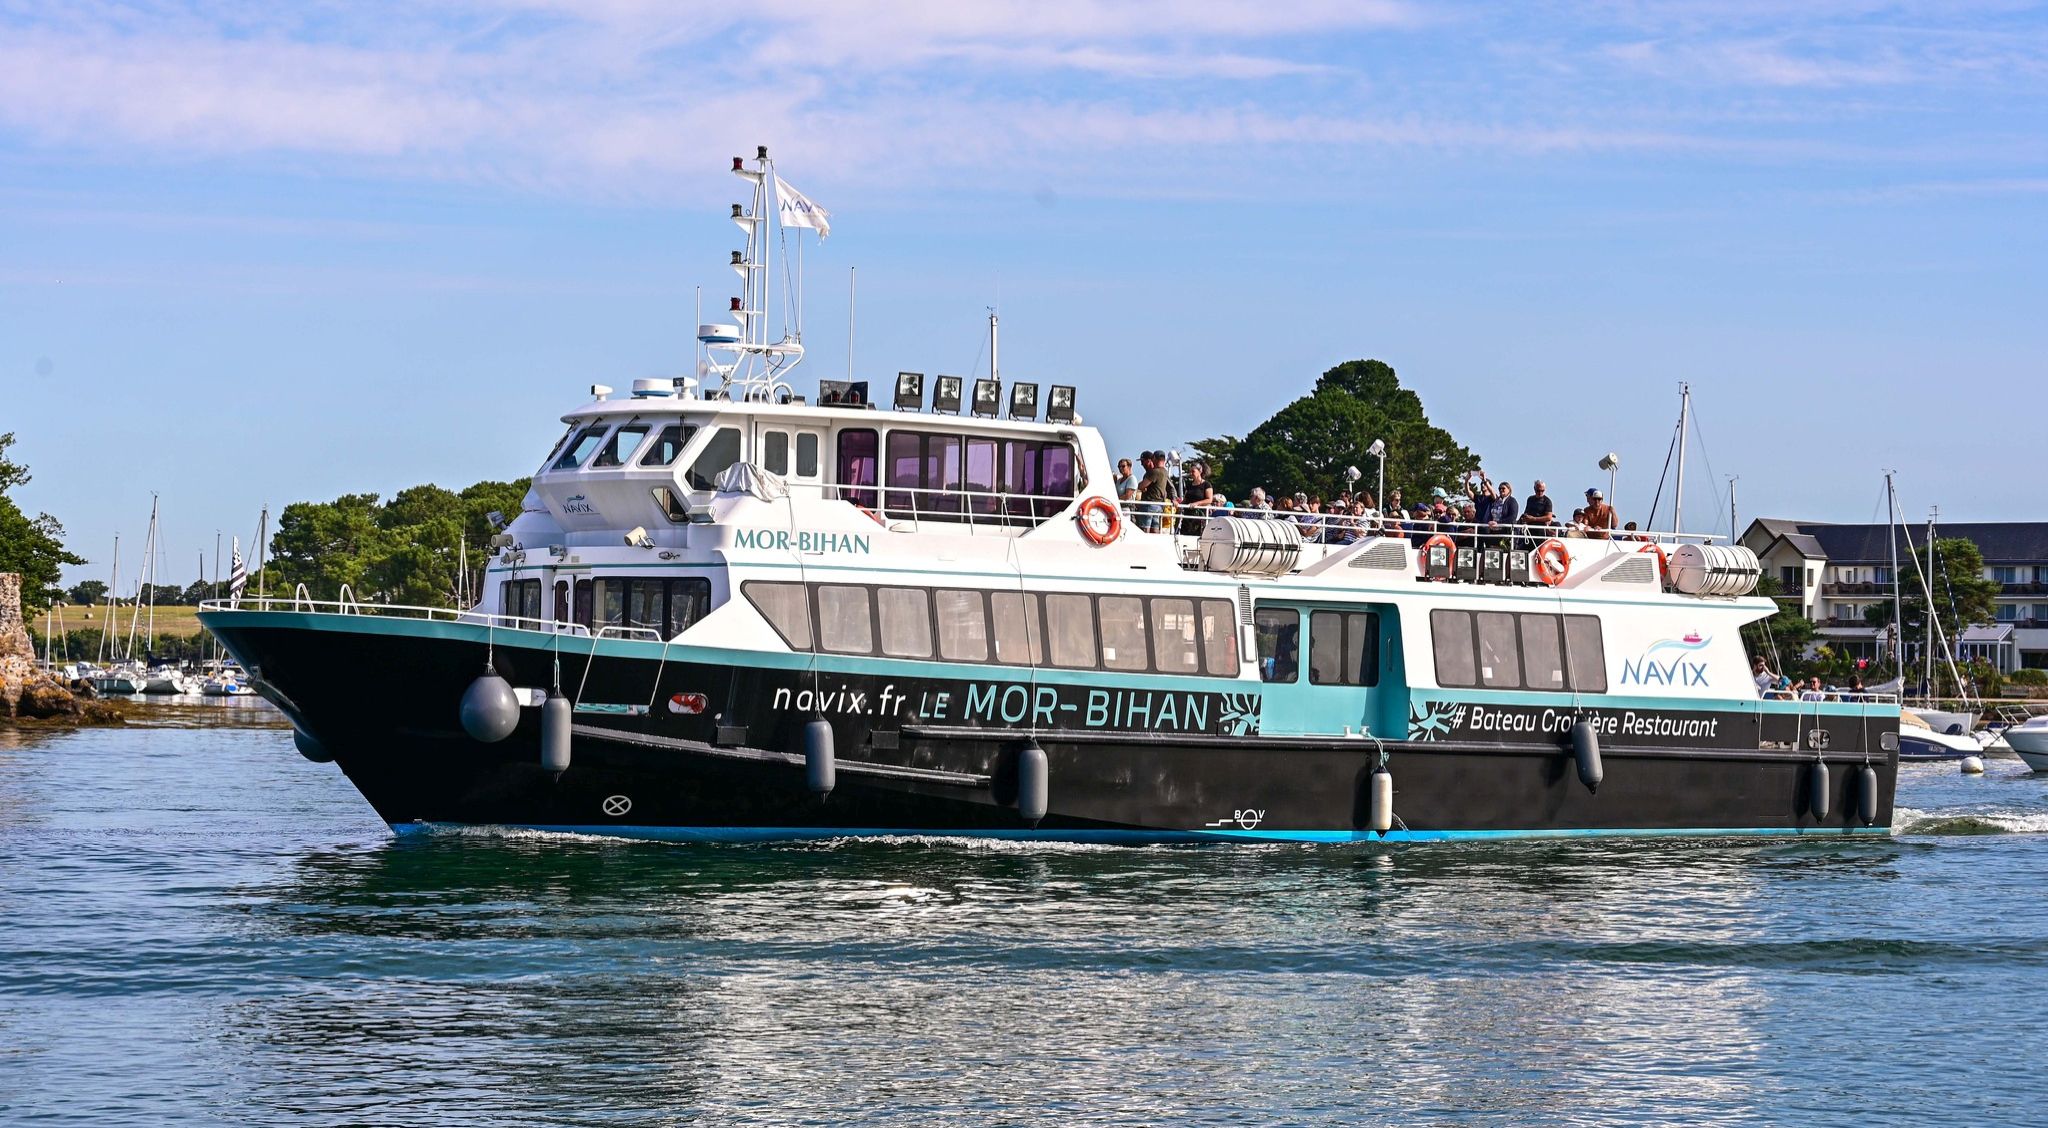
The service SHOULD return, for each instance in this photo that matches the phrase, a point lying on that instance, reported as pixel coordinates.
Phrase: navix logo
(578, 505)
(1668, 662)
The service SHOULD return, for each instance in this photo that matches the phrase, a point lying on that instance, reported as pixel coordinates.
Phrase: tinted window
(786, 609)
(689, 600)
(906, 616)
(1173, 636)
(1278, 633)
(672, 507)
(806, 455)
(1451, 635)
(620, 447)
(722, 451)
(775, 452)
(579, 448)
(1585, 654)
(1014, 615)
(963, 626)
(669, 443)
(857, 457)
(647, 605)
(1219, 637)
(1123, 632)
(1542, 652)
(1500, 663)
(1070, 630)
(844, 622)
(1345, 648)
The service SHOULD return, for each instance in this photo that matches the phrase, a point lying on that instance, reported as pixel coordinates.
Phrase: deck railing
(301, 601)
(1463, 532)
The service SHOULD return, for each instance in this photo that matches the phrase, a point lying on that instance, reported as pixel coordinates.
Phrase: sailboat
(1922, 712)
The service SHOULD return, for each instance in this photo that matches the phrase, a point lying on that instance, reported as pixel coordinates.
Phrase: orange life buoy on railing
(1663, 561)
(1553, 562)
(1099, 520)
(1442, 540)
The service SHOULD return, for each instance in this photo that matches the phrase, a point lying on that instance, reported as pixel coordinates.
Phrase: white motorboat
(2029, 741)
(1952, 722)
(1920, 741)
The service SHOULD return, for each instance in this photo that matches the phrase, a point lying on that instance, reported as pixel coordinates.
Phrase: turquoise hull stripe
(746, 834)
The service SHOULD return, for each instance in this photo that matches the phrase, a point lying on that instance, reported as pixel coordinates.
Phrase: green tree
(87, 592)
(1307, 445)
(1954, 569)
(32, 546)
(408, 550)
(1784, 639)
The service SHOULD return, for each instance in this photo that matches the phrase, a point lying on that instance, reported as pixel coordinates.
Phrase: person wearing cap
(1420, 527)
(1599, 518)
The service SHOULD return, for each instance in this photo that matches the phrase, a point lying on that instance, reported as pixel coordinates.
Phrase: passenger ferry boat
(740, 612)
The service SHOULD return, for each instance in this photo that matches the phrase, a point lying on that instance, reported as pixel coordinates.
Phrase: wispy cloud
(623, 97)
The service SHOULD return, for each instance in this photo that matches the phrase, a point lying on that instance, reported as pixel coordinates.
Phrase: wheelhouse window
(859, 451)
(579, 449)
(674, 508)
(618, 450)
(719, 453)
(775, 451)
(668, 444)
(806, 455)
(924, 474)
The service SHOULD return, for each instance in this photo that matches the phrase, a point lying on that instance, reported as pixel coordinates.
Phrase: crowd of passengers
(1481, 511)
(1776, 686)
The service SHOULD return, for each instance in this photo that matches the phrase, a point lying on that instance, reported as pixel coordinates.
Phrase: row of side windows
(1070, 630)
(666, 607)
(1508, 650)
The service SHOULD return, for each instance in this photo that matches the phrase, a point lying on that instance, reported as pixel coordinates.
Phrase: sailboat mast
(107, 628)
(1927, 586)
(1678, 493)
(1898, 598)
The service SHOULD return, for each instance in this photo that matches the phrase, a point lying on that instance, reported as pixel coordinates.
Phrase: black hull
(734, 771)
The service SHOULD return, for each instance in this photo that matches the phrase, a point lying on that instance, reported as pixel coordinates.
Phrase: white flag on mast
(238, 574)
(798, 210)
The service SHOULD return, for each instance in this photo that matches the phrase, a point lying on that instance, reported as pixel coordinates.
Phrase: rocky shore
(33, 696)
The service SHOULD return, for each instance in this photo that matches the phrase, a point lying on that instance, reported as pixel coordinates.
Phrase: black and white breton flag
(238, 574)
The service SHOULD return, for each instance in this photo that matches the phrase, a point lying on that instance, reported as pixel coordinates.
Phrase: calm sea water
(197, 926)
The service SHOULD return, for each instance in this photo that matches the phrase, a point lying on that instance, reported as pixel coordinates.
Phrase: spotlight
(988, 398)
(1023, 401)
(946, 395)
(1059, 404)
(910, 391)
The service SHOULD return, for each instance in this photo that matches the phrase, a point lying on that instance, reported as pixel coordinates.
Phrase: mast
(262, 532)
(743, 357)
(852, 291)
(1927, 587)
(1732, 533)
(113, 597)
(994, 367)
(1898, 598)
(1678, 494)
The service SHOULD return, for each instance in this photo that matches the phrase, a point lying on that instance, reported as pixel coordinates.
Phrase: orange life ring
(1553, 562)
(1663, 561)
(1099, 520)
(1450, 546)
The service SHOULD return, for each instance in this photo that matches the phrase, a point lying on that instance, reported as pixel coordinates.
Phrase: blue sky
(261, 253)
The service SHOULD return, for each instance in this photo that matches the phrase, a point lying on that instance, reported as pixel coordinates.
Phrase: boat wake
(1906, 820)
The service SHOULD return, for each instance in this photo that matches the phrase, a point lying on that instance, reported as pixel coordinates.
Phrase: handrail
(301, 602)
(1380, 526)
(959, 505)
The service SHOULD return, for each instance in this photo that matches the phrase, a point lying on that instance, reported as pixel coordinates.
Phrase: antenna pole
(1678, 492)
(994, 370)
(852, 291)
(1732, 479)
